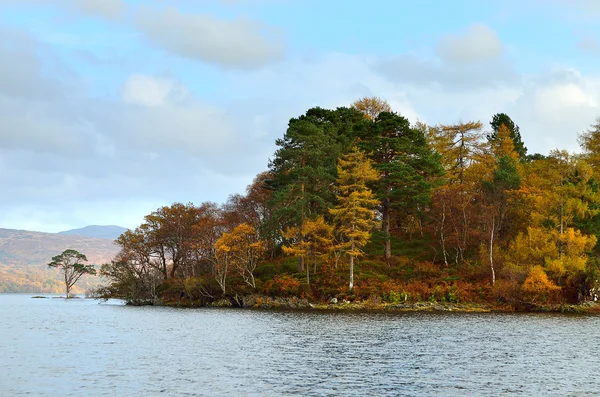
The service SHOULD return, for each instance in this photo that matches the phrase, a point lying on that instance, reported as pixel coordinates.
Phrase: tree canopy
(358, 203)
(72, 266)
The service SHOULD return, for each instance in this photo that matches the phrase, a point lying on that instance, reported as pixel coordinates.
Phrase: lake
(80, 347)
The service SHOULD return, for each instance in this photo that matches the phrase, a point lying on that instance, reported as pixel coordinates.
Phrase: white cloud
(152, 91)
(239, 43)
(478, 43)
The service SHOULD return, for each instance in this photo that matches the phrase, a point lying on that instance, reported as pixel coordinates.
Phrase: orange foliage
(538, 288)
(282, 285)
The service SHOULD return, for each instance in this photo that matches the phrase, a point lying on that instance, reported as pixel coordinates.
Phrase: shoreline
(266, 303)
(299, 304)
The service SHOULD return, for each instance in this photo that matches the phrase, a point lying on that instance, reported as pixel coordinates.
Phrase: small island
(361, 210)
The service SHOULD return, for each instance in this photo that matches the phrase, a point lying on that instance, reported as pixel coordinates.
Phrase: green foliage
(362, 186)
(500, 119)
(72, 266)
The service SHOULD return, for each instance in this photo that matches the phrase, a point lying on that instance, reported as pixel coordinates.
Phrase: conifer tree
(355, 214)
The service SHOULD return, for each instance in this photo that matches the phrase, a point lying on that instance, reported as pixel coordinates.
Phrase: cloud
(555, 106)
(478, 43)
(239, 43)
(21, 70)
(589, 45)
(109, 9)
(470, 60)
(409, 68)
(152, 91)
(588, 8)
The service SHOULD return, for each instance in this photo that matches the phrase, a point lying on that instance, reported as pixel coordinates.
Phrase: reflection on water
(52, 347)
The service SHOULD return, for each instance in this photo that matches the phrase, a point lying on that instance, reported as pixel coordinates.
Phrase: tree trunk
(67, 286)
(442, 237)
(492, 250)
(351, 283)
(301, 259)
(307, 275)
(386, 228)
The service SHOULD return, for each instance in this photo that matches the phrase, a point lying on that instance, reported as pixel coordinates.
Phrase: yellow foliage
(354, 213)
(371, 106)
(537, 286)
(504, 145)
(313, 238)
(560, 254)
(243, 249)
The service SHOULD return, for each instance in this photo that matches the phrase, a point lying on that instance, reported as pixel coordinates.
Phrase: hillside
(24, 255)
(111, 231)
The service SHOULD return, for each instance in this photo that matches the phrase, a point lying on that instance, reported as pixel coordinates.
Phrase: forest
(358, 205)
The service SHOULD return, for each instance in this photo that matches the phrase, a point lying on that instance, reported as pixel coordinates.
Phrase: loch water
(82, 347)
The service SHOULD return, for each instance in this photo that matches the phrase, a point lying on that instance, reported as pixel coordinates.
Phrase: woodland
(358, 205)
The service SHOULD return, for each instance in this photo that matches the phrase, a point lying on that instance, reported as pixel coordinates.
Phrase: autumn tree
(453, 203)
(312, 243)
(371, 106)
(354, 214)
(166, 238)
(502, 119)
(496, 196)
(459, 146)
(589, 141)
(566, 191)
(241, 248)
(72, 266)
(131, 277)
(304, 166)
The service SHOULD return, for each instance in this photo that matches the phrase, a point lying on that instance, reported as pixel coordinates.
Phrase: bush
(538, 288)
(282, 285)
(427, 269)
(265, 272)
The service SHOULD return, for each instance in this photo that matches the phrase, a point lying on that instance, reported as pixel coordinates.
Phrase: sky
(110, 109)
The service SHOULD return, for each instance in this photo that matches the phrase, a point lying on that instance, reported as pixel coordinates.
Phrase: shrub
(538, 288)
(282, 285)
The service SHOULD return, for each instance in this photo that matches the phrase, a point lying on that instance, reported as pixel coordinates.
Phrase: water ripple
(52, 347)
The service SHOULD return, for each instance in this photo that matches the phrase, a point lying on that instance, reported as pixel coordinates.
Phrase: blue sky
(112, 108)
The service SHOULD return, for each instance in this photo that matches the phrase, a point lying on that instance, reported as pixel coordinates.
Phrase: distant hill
(111, 231)
(25, 254)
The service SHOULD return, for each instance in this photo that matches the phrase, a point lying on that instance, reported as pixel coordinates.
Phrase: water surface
(55, 347)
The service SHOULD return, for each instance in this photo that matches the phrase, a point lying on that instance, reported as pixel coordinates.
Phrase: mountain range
(24, 256)
(110, 231)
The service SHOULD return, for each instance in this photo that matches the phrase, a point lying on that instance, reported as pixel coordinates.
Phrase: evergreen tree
(500, 119)
(405, 162)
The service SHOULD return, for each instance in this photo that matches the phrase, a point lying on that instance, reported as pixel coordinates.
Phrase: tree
(496, 197)
(254, 209)
(459, 145)
(354, 213)
(372, 106)
(405, 164)
(500, 119)
(590, 143)
(243, 249)
(461, 149)
(314, 241)
(304, 166)
(71, 264)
